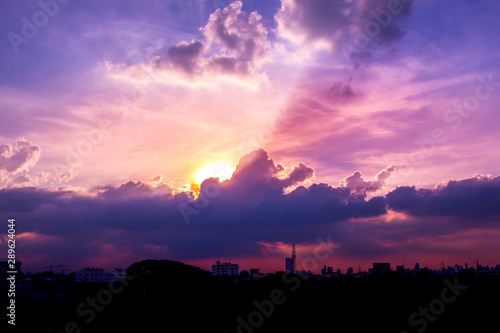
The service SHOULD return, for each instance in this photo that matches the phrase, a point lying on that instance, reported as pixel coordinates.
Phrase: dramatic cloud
(239, 216)
(337, 24)
(242, 39)
(38, 180)
(232, 42)
(248, 208)
(476, 198)
(19, 158)
(299, 174)
(184, 56)
(28, 199)
(358, 185)
(137, 189)
(309, 22)
(380, 18)
(185, 85)
(255, 175)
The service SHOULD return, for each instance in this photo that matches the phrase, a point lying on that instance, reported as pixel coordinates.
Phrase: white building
(225, 268)
(93, 274)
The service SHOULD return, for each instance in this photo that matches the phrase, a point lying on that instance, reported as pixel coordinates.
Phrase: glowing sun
(222, 171)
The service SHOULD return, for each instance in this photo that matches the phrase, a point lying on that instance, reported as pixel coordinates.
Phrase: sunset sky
(372, 125)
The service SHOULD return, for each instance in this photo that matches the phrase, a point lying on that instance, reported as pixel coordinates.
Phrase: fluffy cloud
(357, 184)
(26, 179)
(308, 22)
(248, 208)
(19, 158)
(232, 43)
(333, 24)
(184, 56)
(15, 163)
(475, 198)
(255, 175)
(134, 190)
(300, 173)
(242, 39)
(237, 216)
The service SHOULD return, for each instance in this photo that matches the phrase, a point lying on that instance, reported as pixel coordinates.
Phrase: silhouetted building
(350, 271)
(289, 265)
(254, 271)
(244, 274)
(327, 270)
(448, 270)
(381, 267)
(118, 274)
(93, 274)
(417, 267)
(225, 268)
(290, 262)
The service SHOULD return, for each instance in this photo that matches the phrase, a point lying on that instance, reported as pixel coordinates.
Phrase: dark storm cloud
(474, 198)
(248, 208)
(333, 20)
(131, 189)
(236, 216)
(388, 13)
(323, 19)
(358, 28)
(27, 199)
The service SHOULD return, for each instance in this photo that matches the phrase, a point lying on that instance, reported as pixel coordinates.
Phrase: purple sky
(373, 124)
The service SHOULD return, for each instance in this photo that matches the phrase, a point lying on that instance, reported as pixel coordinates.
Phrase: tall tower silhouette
(290, 262)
